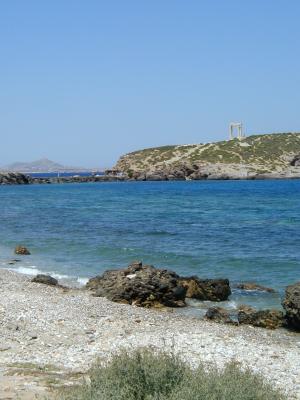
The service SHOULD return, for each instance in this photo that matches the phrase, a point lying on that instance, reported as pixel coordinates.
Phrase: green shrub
(130, 173)
(143, 375)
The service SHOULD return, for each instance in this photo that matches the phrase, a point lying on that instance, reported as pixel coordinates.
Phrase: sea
(246, 231)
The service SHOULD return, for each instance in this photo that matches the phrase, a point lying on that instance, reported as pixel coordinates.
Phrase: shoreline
(23, 179)
(69, 329)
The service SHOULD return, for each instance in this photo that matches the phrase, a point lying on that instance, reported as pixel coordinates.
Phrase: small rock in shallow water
(12, 262)
(219, 314)
(22, 250)
(254, 286)
(270, 319)
(45, 279)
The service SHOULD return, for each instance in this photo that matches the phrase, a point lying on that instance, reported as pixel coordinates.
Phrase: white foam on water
(28, 270)
(32, 270)
(82, 281)
(200, 304)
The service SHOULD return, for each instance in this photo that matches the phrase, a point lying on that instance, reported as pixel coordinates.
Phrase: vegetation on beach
(144, 375)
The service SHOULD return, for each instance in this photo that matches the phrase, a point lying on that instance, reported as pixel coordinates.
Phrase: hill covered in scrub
(271, 155)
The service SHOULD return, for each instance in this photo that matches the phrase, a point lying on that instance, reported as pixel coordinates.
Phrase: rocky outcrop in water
(148, 286)
(291, 304)
(12, 178)
(141, 285)
(22, 250)
(206, 289)
(254, 286)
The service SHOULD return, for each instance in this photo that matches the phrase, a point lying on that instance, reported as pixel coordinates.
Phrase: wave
(32, 270)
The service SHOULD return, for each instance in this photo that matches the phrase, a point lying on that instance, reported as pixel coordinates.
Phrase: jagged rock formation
(291, 304)
(141, 285)
(254, 157)
(147, 286)
(206, 289)
(11, 178)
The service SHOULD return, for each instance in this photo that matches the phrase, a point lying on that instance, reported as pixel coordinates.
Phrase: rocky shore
(180, 173)
(14, 178)
(50, 335)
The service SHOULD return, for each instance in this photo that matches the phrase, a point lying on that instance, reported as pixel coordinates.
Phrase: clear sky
(84, 81)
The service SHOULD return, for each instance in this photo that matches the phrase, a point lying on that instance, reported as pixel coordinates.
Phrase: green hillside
(268, 152)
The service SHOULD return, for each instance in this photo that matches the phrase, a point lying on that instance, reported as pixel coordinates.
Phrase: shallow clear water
(241, 230)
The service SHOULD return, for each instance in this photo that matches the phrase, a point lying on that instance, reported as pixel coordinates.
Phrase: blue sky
(82, 82)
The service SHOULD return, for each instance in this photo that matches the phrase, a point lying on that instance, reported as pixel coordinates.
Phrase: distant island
(41, 166)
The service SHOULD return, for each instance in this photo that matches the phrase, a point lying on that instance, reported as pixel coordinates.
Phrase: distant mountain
(42, 165)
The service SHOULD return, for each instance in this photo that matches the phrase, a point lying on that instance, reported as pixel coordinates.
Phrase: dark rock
(206, 289)
(22, 250)
(12, 262)
(296, 161)
(219, 314)
(254, 286)
(140, 285)
(45, 279)
(12, 178)
(270, 319)
(291, 304)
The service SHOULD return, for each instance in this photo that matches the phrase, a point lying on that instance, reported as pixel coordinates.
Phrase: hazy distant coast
(43, 165)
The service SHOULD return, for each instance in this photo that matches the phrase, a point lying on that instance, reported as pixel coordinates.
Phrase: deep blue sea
(241, 230)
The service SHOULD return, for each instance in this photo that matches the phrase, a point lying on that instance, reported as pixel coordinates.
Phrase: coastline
(22, 179)
(68, 329)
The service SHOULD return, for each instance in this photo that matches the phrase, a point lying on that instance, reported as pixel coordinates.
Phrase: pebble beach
(50, 336)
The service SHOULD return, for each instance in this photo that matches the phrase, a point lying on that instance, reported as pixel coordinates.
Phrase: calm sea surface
(241, 230)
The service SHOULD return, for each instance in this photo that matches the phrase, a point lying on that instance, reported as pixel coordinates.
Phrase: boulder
(141, 285)
(270, 319)
(254, 286)
(291, 304)
(22, 250)
(45, 279)
(219, 314)
(206, 289)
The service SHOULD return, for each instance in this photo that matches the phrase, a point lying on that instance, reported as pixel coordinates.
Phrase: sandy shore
(49, 336)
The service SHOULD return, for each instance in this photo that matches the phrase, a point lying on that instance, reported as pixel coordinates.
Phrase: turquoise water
(241, 230)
